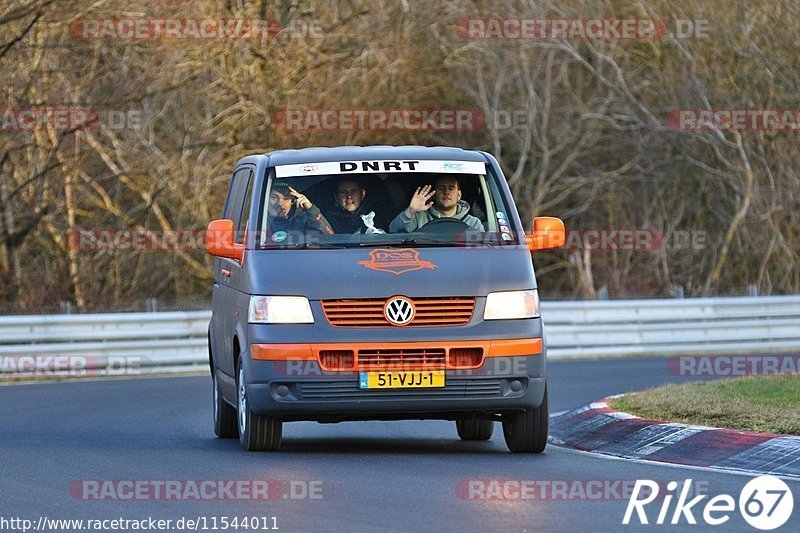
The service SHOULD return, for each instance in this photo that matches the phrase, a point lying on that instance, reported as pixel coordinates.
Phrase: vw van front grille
(401, 358)
(465, 357)
(454, 388)
(428, 312)
(336, 359)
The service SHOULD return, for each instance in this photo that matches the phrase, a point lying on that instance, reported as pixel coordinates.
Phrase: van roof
(319, 154)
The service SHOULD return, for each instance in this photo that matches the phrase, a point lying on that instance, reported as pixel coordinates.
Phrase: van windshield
(320, 206)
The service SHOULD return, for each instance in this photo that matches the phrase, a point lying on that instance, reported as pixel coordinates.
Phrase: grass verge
(756, 403)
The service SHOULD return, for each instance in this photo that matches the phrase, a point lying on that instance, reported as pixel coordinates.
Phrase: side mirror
(548, 232)
(220, 242)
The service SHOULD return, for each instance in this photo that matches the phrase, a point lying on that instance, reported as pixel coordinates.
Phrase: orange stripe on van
(281, 352)
(416, 351)
(515, 347)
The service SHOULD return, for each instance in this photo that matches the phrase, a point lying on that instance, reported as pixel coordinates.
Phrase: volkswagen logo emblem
(399, 310)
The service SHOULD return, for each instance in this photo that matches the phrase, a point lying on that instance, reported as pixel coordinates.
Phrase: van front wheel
(256, 433)
(475, 429)
(526, 432)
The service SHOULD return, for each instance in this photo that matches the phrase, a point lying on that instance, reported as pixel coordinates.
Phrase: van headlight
(279, 310)
(511, 304)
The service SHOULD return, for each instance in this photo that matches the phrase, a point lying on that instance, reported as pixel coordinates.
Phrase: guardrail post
(151, 305)
(677, 291)
(752, 290)
(66, 308)
(602, 293)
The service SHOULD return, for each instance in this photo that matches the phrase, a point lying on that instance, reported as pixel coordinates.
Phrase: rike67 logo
(765, 503)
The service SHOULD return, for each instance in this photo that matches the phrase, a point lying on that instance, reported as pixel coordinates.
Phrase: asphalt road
(366, 476)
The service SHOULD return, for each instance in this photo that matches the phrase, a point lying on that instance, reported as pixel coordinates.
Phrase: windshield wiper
(308, 245)
(411, 241)
(423, 241)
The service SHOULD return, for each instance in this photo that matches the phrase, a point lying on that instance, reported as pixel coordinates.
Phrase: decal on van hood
(396, 261)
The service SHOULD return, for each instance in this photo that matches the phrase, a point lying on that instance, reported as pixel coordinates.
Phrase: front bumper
(301, 390)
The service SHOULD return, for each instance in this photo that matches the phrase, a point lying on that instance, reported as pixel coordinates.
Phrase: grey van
(376, 283)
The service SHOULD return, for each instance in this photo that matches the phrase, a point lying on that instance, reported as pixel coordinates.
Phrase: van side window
(248, 200)
(233, 209)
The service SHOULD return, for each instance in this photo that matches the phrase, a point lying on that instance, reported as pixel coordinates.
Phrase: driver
(446, 203)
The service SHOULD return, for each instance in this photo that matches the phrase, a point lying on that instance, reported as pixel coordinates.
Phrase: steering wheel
(444, 225)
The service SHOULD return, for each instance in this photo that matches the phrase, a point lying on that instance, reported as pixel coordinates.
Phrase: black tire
(526, 432)
(475, 429)
(224, 415)
(257, 433)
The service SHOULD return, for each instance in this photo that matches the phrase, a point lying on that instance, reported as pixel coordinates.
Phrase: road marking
(669, 465)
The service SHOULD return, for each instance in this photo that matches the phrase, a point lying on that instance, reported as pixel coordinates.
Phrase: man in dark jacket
(290, 211)
(350, 209)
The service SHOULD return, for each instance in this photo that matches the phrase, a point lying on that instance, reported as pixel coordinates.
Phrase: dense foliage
(595, 146)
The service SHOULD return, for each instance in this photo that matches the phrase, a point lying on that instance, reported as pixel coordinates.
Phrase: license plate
(401, 379)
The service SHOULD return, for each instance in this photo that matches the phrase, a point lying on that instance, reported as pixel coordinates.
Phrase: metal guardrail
(103, 344)
(176, 341)
(696, 326)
